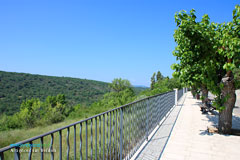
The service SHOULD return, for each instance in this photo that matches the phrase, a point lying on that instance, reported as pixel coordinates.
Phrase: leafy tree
(119, 84)
(10, 122)
(55, 108)
(30, 112)
(159, 76)
(173, 83)
(208, 53)
(153, 80)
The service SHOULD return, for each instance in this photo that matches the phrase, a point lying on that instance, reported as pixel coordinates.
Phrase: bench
(207, 107)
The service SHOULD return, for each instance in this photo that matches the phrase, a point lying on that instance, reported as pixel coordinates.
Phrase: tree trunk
(225, 116)
(194, 91)
(204, 94)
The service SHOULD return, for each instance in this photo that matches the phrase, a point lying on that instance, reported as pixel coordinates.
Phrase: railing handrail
(78, 122)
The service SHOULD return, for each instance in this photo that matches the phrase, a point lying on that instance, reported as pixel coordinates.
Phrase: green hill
(17, 87)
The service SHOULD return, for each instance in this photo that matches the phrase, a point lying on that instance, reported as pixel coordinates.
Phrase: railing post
(17, 154)
(147, 119)
(121, 132)
(176, 96)
(1, 156)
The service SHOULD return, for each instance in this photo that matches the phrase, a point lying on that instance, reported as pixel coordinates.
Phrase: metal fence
(116, 134)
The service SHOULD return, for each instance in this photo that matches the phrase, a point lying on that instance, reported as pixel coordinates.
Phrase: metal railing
(115, 134)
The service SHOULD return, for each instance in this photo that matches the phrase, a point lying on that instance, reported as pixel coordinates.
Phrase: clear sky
(99, 40)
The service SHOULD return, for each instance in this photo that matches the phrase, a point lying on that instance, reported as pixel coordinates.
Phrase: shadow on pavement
(213, 119)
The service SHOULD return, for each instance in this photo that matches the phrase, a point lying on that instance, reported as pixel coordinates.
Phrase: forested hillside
(17, 87)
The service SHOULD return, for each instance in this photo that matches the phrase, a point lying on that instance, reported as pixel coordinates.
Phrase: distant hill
(139, 88)
(17, 87)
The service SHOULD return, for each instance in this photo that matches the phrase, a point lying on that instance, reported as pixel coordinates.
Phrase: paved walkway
(155, 146)
(189, 139)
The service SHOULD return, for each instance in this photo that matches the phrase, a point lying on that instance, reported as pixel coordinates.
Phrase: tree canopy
(119, 84)
(208, 53)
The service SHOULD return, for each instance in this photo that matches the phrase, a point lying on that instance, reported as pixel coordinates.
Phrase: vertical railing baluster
(138, 126)
(110, 134)
(91, 140)
(131, 127)
(164, 105)
(30, 151)
(113, 133)
(17, 154)
(68, 144)
(160, 109)
(107, 139)
(86, 139)
(1, 155)
(126, 133)
(147, 118)
(75, 143)
(42, 152)
(143, 121)
(51, 147)
(96, 138)
(124, 130)
(100, 137)
(116, 145)
(129, 131)
(103, 139)
(60, 144)
(121, 132)
(140, 122)
(151, 116)
(80, 137)
(156, 111)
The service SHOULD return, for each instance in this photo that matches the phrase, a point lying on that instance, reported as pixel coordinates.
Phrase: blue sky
(99, 40)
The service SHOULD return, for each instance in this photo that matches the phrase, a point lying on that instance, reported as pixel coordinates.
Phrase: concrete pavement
(191, 141)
